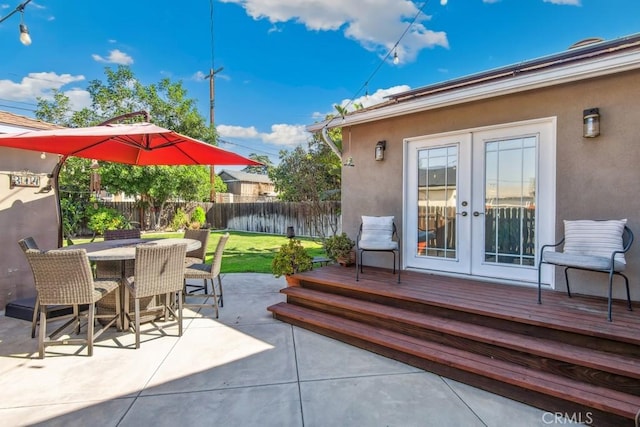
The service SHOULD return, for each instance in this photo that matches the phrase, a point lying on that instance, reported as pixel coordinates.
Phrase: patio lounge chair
(208, 272)
(377, 234)
(159, 272)
(592, 245)
(64, 277)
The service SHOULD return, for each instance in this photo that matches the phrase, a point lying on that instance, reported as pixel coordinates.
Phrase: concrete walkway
(243, 369)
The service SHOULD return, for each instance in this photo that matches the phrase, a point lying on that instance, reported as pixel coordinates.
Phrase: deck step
(518, 382)
(619, 372)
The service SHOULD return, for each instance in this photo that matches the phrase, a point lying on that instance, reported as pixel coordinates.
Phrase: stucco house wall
(596, 178)
(24, 211)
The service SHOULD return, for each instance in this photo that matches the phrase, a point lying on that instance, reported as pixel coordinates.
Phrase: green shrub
(180, 220)
(199, 215)
(339, 246)
(102, 218)
(291, 258)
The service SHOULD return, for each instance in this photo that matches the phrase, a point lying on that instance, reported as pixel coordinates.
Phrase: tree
(169, 107)
(260, 170)
(310, 175)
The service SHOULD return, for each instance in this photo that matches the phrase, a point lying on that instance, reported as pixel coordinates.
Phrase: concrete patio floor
(243, 369)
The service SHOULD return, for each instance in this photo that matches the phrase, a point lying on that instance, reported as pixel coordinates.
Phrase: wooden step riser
(569, 369)
(519, 393)
(509, 325)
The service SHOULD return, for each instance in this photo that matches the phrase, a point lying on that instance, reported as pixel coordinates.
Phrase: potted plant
(291, 258)
(340, 249)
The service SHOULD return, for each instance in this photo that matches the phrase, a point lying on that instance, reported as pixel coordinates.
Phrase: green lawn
(245, 252)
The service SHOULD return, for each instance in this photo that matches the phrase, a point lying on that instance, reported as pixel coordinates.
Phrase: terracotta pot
(291, 281)
(347, 261)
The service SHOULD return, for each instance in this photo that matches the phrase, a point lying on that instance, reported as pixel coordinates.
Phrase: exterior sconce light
(380, 147)
(591, 123)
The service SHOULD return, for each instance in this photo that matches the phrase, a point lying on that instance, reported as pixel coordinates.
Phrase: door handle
(476, 213)
(463, 213)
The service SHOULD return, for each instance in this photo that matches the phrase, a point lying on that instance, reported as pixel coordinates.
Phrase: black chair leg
(610, 295)
(566, 279)
(626, 283)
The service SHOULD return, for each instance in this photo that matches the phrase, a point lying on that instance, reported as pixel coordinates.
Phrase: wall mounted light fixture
(380, 147)
(591, 123)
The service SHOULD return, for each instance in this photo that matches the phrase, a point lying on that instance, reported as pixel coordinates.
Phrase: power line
(17, 108)
(383, 61)
(246, 147)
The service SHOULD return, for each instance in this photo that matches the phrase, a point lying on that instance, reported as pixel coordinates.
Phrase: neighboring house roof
(581, 62)
(10, 122)
(231, 175)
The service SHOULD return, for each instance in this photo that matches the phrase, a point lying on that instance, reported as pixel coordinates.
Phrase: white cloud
(377, 30)
(78, 98)
(380, 95)
(35, 85)
(281, 134)
(227, 131)
(116, 56)
(41, 85)
(567, 2)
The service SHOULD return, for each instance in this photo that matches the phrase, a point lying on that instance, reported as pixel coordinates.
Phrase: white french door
(479, 202)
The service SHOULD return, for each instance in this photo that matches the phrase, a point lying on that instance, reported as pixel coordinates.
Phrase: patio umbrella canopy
(139, 144)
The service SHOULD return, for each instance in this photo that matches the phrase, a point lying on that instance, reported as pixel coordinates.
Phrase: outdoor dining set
(123, 281)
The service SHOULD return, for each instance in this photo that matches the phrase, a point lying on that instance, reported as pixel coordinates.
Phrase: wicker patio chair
(113, 270)
(378, 234)
(159, 271)
(197, 256)
(26, 244)
(64, 277)
(208, 272)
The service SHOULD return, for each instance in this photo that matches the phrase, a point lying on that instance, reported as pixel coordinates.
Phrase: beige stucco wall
(24, 211)
(596, 178)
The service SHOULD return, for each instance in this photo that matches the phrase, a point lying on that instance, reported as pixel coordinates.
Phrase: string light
(25, 37)
(396, 60)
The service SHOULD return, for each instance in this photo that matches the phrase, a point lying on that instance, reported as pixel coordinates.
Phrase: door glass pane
(510, 185)
(437, 177)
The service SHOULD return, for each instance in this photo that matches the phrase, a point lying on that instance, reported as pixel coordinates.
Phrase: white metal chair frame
(395, 237)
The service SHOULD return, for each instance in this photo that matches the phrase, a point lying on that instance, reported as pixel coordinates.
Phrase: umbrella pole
(54, 175)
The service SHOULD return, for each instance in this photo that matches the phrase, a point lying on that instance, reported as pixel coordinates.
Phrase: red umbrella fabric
(134, 144)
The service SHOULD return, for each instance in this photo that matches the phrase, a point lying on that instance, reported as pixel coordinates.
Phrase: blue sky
(285, 63)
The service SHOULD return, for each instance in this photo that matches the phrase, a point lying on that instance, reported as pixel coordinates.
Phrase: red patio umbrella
(134, 144)
(141, 144)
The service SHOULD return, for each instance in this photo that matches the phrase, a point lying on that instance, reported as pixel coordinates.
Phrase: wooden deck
(562, 355)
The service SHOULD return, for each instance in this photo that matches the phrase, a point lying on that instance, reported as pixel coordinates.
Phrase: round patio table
(125, 249)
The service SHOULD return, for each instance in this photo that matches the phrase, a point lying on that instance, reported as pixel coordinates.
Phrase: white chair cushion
(377, 233)
(582, 261)
(594, 238)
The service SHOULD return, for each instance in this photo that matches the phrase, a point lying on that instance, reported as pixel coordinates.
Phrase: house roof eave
(490, 86)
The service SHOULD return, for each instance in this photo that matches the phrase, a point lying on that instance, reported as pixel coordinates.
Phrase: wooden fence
(314, 220)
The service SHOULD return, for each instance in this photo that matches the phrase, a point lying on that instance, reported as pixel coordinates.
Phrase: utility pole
(212, 172)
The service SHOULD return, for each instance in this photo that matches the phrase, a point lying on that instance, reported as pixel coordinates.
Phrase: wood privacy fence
(308, 219)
